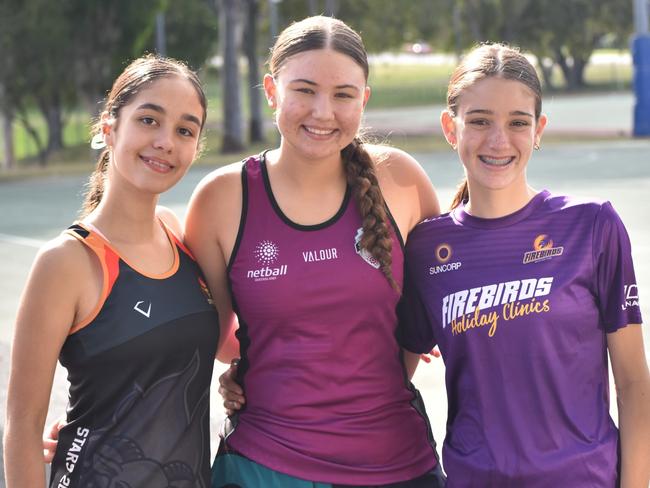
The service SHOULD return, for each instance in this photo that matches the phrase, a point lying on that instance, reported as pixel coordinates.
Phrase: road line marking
(21, 241)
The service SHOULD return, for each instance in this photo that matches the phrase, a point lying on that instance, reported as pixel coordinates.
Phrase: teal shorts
(232, 470)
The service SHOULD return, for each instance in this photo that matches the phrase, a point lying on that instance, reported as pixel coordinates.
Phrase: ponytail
(462, 195)
(95, 186)
(376, 239)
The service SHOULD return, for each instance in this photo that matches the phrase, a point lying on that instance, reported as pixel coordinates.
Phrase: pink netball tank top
(327, 396)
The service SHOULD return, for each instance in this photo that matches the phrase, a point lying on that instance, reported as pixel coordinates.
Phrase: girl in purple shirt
(525, 293)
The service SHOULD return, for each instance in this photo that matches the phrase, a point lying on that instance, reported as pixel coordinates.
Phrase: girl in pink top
(301, 244)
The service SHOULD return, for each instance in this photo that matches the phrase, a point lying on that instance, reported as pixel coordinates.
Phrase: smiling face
(155, 137)
(494, 132)
(318, 97)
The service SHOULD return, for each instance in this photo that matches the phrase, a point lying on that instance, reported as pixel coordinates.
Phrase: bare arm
(630, 369)
(46, 312)
(212, 219)
(411, 361)
(411, 199)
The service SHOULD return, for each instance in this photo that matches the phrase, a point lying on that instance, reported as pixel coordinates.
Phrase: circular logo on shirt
(542, 242)
(443, 253)
(266, 252)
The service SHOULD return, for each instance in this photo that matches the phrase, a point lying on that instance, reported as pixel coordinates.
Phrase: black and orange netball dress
(139, 369)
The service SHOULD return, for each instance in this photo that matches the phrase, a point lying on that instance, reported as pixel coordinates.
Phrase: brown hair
(321, 32)
(485, 61)
(139, 74)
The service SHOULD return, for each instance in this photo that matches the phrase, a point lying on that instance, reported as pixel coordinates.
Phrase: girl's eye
(520, 123)
(148, 120)
(308, 91)
(344, 95)
(185, 132)
(479, 122)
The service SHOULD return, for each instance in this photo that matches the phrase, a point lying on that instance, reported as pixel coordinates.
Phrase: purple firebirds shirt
(326, 394)
(520, 307)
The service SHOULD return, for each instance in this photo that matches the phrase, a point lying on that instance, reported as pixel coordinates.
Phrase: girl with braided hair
(303, 246)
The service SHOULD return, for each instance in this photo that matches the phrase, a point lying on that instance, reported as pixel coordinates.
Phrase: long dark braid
(361, 176)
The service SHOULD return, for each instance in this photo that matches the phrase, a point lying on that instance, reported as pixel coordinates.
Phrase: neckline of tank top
(274, 203)
(461, 216)
(159, 276)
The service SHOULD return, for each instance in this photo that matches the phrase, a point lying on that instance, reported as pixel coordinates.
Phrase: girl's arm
(411, 198)
(411, 361)
(211, 225)
(632, 379)
(47, 310)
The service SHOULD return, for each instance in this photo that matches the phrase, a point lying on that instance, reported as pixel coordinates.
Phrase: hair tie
(98, 142)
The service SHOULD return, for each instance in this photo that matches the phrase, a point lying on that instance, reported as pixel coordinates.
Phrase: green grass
(408, 85)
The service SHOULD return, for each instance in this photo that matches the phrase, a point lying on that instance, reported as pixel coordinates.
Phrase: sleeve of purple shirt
(615, 283)
(414, 332)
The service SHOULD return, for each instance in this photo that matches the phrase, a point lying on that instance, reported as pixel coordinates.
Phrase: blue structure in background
(641, 58)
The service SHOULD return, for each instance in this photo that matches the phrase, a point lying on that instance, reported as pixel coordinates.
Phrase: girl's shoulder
(62, 263)
(404, 183)
(392, 158)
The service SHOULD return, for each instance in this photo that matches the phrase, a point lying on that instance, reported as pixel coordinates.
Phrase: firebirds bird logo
(543, 249)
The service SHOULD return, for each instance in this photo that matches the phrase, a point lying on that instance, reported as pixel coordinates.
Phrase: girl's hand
(435, 352)
(230, 391)
(51, 439)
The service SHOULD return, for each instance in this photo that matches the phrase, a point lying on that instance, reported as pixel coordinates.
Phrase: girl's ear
(539, 129)
(449, 128)
(270, 91)
(107, 123)
(366, 96)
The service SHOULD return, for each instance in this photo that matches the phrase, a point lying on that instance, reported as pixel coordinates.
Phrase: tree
(50, 79)
(255, 126)
(107, 36)
(561, 32)
(192, 28)
(578, 27)
(231, 17)
(7, 159)
(75, 48)
(35, 69)
(8, 80)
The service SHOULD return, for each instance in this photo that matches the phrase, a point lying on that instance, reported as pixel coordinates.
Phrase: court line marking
(21, 241)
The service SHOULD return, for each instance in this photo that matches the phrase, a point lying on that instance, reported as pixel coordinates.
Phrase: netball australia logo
(365, 255)
(267, 253)
(443, 256)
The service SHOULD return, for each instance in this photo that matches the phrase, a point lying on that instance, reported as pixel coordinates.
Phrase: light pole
(641, 57)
